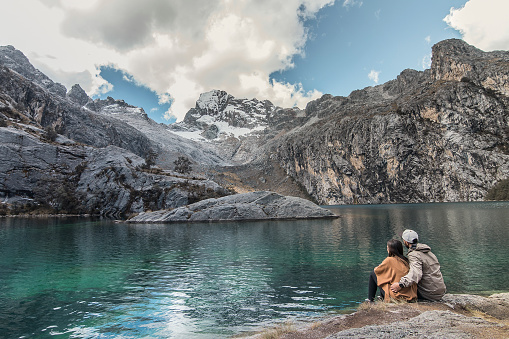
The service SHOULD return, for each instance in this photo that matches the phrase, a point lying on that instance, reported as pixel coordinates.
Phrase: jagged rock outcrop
(15, 60)
(239, 207)
(455, 60)
(77, 95)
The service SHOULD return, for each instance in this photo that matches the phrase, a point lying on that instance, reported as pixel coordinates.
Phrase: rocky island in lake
(239, 207)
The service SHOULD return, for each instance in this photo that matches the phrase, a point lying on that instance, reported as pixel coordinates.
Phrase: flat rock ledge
(456, 316)
(261, 205)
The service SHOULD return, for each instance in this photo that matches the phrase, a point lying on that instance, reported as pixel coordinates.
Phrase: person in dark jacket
(424, 270)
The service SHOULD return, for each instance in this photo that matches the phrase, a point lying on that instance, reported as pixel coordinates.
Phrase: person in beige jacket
(389, 271)
(424, 270)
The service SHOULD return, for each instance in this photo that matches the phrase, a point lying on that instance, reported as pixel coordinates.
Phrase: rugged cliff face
(438, 135)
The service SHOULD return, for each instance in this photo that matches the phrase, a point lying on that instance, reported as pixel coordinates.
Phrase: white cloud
(482, 23)
(373, 75)
(178, 47)
(426, 61)
(350, 3)
(428, 39)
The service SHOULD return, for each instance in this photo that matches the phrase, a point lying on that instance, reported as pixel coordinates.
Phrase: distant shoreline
(49, 215)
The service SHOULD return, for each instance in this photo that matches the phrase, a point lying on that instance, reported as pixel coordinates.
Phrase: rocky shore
(457, 316)
(261, 205)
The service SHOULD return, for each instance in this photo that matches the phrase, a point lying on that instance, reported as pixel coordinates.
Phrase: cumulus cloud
(373, 75)
(482, 23)
(177, 48)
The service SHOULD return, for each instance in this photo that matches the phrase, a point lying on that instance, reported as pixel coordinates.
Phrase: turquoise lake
(84, 278)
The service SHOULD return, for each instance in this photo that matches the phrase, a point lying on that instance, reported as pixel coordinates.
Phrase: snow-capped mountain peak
(218, 115)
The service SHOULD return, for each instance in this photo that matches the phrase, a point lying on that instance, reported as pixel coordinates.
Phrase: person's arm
(414, 274)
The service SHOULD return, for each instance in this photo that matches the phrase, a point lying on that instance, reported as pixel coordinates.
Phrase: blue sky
(384, 36)
(125, 87)
(162, 54)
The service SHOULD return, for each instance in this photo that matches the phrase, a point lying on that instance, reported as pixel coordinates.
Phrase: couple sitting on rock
(401, 278)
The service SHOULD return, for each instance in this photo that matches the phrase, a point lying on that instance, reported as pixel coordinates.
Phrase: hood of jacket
(421, 247)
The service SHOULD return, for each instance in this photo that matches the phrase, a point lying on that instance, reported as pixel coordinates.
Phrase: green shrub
(150, 159)
(50, 134)
(183, 165)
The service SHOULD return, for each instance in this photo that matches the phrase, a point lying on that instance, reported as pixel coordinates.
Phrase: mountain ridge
(434, 135)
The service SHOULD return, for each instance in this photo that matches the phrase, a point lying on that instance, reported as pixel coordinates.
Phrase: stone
(239, 207)
(430, 324)
(78, 95)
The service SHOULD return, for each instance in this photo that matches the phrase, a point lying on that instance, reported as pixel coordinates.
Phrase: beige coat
(425, 272)
(391, 270)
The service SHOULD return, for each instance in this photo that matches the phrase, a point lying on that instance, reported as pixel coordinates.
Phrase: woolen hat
(410, 236)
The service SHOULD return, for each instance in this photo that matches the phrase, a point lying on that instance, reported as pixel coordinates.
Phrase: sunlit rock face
(437, 135)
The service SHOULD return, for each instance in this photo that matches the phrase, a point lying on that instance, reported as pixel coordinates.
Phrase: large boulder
(259, 205)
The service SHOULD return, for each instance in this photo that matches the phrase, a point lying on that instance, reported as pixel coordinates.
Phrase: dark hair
(396, 249)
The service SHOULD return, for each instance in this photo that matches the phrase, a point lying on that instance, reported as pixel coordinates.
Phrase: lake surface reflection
(98, 279)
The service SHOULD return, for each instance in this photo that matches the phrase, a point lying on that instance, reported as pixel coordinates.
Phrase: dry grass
(278, 331)
(377, 305)
(482, 315)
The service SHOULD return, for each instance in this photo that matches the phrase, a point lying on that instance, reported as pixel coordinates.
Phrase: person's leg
(372, 286)
(420, 297)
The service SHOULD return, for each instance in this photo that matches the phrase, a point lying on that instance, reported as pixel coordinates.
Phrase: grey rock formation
(78, 95)
(15, 60)
(26, 101)
(110, 181)
(496, 305)
(248, 206)
(430, 324)
(456, 322)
